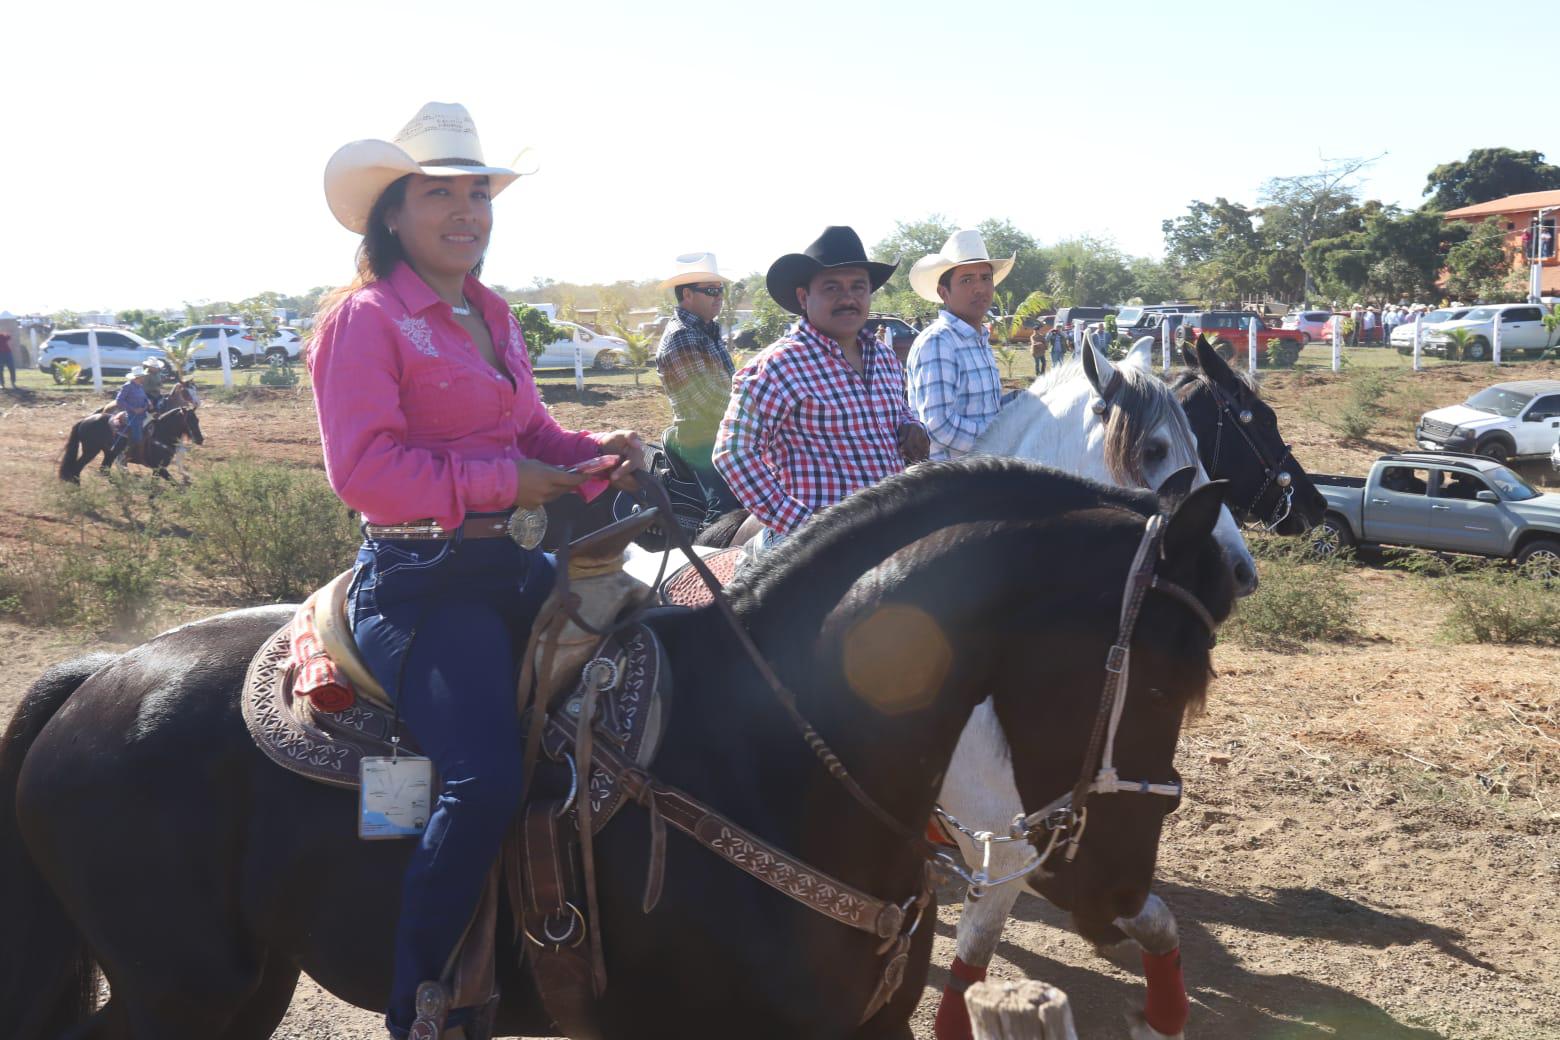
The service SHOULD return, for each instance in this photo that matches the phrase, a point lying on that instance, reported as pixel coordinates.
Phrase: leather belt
(490, 525)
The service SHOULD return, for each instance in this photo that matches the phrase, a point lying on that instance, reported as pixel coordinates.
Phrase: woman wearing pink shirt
(433, 429)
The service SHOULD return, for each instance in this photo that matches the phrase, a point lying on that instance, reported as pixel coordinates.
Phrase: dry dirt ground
(1368, 847)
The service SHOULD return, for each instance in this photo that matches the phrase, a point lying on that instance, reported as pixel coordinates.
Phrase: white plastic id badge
(396, 797)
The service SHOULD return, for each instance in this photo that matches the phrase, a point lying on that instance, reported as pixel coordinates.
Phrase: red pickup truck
(1228, 330)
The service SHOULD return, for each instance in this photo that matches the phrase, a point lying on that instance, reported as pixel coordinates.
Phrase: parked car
(597, 350)
(900, 333)
(1088, 315)
(286, 345)
(1136, 322)
(1505, 421)
(1228, 330)
(1522, 332)
(1310, 324)
(119, 350)
(243, 350)
(1403, 335)
(1443, 501)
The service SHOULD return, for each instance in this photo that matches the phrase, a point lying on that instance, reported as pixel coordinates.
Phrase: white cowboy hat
(440, 141)
(962, 247)
(693, 268)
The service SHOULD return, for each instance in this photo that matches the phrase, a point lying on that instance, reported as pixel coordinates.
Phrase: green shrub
(276, 531)
(112, 588)
(1355, 419)
(278, 373)
(1494, 605)
(1295, 604)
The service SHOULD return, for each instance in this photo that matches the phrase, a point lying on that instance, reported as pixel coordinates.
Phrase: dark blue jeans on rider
(442, 625)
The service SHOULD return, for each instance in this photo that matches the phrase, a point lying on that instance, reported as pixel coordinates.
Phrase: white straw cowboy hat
(962, 247)
(440, 141)
(693, 268)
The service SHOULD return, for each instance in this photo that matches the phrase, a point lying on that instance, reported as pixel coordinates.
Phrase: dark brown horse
(165, 432)
(142, 832)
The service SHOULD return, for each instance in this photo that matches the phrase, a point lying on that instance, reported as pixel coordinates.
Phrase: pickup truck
(1444, 501)
(1506, 421)
(1228, 331)
(1522, 332)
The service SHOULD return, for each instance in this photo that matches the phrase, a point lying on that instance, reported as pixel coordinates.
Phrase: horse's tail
(70, 464)
(48, 979)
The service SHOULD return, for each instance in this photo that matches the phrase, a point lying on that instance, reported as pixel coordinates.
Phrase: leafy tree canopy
(1489, 173)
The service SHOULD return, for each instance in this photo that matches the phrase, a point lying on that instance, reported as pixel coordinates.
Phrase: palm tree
(1457, 348)
(637, 349)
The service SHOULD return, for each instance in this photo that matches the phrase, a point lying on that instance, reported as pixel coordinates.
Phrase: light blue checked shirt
(953, 384)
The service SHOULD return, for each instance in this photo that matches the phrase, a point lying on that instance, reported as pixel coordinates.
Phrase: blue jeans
(442, 626)
(8, 360)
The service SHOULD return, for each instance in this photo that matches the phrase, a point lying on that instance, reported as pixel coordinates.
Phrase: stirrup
(433, 1006)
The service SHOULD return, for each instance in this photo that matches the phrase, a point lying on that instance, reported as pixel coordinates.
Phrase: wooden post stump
(1025, 1010)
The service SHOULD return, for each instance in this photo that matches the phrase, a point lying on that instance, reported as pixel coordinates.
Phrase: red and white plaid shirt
(803, 430)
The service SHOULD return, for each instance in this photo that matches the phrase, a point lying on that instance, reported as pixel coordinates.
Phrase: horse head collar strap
(1275, 478)
(1063, 820)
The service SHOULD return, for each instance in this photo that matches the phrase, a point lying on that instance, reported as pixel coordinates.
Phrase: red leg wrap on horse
(1166, 1008)
(953, 1018)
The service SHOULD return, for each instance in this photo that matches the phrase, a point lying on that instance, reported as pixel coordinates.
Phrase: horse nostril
(1246, 577)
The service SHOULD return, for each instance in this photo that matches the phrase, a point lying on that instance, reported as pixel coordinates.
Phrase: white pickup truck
(1514, 420)
(1522, 332)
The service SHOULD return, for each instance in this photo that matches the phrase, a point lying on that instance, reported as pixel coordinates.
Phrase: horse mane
(830, 553)
(1142, 405)
(1189, 376)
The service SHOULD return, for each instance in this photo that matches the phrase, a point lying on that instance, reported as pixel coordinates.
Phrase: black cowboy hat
(837, 247)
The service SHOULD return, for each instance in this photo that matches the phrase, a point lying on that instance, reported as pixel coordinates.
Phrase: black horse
(93, 434)
(1251, 458)
(1238, 440)
(143, 832)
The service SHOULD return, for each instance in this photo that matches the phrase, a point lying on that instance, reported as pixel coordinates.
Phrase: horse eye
(1156, 452)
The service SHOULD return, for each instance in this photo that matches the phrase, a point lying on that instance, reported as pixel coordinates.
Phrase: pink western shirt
(414, 422)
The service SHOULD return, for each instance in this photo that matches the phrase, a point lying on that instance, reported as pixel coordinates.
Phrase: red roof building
(1516, 214)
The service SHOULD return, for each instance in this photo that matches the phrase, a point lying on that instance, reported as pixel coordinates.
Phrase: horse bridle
(1062, 821)
(1274, 476)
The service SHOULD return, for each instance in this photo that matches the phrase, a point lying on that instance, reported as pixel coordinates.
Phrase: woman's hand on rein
(537, 483)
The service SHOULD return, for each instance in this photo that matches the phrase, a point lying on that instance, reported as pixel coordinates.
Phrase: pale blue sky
(160, 152)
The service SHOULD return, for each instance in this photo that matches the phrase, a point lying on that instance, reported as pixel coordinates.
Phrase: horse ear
(1189, 358)
(1212, 363)
(1141, 355)
(1098, 369)
(1177, 486)
(1194, 519)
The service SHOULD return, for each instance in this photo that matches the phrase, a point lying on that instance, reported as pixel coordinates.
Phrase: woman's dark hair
(379, 252)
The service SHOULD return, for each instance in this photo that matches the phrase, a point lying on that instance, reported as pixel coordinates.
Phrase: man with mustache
(821, 412)
(954, 386)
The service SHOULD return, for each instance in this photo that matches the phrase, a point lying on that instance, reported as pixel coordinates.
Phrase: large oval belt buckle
(527, 527)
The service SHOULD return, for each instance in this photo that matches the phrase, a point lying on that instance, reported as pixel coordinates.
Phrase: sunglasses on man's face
(717, 291)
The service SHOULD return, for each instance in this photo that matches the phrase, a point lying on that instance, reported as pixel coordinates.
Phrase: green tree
(1480, 267)
(639, 349)
(1489, 173)
(536, 328)
(908, 242)
(1153, 281)
(147, 324)
(1087, 271)
(1030, 266)
(1297, 211)
(1217, 249)
(769, 320)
